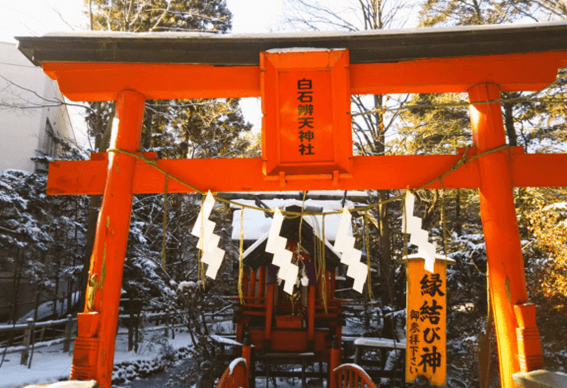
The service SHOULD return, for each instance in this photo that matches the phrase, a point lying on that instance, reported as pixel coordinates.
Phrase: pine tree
(196, 128)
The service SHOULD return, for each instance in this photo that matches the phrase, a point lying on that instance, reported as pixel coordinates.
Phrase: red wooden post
(245, 285)
(262, 283)
(247, 354)
(529, 343)
(252, 285)
(269, 312)
(107, 260)
(311, 313)
(503, 247)
(334, 362)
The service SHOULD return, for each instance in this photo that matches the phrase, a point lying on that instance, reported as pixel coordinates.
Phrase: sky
(37, 17)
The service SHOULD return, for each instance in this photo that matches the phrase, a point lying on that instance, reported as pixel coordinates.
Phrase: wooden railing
(235, 375)
(351, 376)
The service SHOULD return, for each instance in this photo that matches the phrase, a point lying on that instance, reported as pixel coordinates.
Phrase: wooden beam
(245, 175)
(103, 81)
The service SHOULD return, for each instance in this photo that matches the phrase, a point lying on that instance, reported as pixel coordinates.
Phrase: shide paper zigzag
(350, 256)
(418, 236)
(208, 241)
(282, 257)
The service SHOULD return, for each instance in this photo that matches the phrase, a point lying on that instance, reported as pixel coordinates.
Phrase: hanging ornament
(208, 241)
(350, 256)
(282, 257)
(418, 236)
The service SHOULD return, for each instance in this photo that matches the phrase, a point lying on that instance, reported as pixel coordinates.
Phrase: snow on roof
(256, 225)
(301, 34)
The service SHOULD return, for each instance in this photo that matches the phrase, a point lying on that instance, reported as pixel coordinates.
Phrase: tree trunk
(509, 124)
(458, 224)
(387, 278)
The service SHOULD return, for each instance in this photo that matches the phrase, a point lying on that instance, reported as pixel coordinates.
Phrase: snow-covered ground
(50, 364)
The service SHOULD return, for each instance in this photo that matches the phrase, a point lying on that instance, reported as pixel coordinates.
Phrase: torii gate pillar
(93, 357)
(506, 277)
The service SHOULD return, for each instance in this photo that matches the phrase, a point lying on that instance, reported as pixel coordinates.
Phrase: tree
(172, 128)
(532, 120)
(372, 120)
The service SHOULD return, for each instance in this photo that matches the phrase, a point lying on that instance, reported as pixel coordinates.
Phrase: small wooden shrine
(306, 320)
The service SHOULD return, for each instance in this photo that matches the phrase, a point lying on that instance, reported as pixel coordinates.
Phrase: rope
(164, 241)
(293, 215)
(301, 223)
(443, 220)
(241, 258)
(367, 241)
(200, 264)
(323, 267)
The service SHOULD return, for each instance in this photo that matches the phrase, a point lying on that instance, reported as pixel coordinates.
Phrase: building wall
(28, 101)
(28, 106)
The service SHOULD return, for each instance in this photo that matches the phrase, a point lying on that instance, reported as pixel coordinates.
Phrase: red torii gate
(131, 68)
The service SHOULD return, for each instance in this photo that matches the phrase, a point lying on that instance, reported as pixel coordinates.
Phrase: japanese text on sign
(305, 119)
(426, 319)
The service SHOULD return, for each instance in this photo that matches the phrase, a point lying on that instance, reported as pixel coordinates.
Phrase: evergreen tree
(534, 121)
(197, 128)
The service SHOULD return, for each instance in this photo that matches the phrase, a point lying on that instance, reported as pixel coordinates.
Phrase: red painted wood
(503, 246)
(252, 284)
(262, 282)
(350, 376)
(107, 261)
(311, 312)
(368, 172)
(103, 81)
(269, 312)
(237, 378)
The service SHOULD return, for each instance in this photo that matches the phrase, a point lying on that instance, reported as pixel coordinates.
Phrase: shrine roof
(243, 49)
(256, 225)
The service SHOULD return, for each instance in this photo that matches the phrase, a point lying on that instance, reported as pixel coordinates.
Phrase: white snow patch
(189, 285)
(380, 343)
(235, 362)
(299, 50)
(225, 341)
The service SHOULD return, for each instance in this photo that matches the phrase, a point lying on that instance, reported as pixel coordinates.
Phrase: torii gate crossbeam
(482, 61)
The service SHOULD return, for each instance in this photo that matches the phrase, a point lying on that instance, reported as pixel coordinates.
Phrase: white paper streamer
(350, 256)
(282, 257)
(418, 236)
(208, 241)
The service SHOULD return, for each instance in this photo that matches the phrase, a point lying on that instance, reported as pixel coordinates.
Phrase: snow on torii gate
(131, 68)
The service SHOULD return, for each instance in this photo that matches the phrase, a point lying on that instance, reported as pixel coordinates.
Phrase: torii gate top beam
(376, 46)
(97, 66)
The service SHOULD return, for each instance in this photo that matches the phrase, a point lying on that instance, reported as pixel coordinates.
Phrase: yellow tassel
(367, 239)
